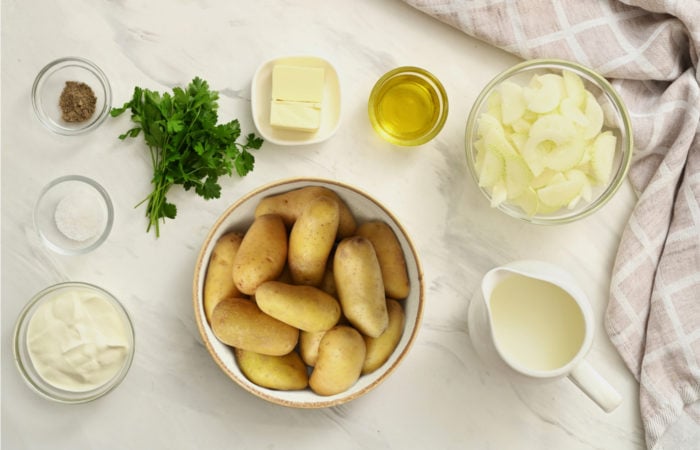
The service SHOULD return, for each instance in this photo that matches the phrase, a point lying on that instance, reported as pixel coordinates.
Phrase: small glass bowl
(23, 359)
(51, 81)
(615, 118)
(408, 106)
(62, 219)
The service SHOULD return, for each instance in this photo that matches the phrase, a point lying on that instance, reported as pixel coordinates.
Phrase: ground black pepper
(77, 102)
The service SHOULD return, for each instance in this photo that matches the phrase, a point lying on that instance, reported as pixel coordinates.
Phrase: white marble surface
(175, 396)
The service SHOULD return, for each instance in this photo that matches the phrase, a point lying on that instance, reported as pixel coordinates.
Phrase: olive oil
(407, 108)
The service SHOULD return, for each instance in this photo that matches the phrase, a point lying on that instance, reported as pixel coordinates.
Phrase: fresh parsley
(186, 144)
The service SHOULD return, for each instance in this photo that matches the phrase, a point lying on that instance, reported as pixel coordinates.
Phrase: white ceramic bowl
(23, 358)
(49, 84)
(239, 216)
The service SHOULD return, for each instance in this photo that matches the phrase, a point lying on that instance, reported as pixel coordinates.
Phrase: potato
(285, 277)
(262, 254)
(358, 279)
(311, 240)
(290, 204)
(239, 322)
(218, 282)
(380, 349)
(308, 346)
(390, 256)
(304, 307)
(284, 373)
(341, 356)
(328, 282)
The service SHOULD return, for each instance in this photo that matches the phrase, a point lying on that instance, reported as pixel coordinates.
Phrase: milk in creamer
(537, 325)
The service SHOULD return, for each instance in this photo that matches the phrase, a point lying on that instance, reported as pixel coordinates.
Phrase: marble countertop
(175, 396)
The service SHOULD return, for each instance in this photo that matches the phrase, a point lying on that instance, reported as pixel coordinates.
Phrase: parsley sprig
(186, 144)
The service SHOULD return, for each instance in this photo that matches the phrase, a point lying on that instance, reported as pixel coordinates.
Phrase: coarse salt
(80, 215)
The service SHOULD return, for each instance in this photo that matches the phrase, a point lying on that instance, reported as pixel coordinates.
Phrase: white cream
(77, 340)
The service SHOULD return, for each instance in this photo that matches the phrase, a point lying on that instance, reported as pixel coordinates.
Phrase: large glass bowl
(23, 358)
(615, 119)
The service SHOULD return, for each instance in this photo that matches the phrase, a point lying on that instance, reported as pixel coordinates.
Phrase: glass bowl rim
(84, 64)
(104, 195)
(619, 107)
(442, 93)
(54, 393)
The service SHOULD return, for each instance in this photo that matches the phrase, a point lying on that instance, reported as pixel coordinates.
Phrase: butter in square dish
(297, 93)
(261, 102)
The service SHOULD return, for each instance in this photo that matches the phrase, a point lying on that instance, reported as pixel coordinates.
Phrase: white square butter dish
(261, 97)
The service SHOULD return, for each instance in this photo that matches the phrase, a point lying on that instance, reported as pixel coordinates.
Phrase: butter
(297, 93)
(297, 84)
(301, 116)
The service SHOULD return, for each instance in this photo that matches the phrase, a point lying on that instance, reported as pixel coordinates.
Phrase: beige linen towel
(649, 50)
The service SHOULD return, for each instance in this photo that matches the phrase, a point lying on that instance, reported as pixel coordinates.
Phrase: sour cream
(77, 340)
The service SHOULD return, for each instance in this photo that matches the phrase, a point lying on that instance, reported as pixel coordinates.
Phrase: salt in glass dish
(22, 355)
(73, 215)
(49, 85)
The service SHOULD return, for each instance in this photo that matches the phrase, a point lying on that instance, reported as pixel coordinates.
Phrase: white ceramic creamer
(531, 320)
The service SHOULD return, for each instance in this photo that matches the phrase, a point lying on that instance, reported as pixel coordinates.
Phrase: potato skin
(309, 342)
(358, 279)
(262, 253)
(311, 240)
(290, 205)
(304, 307)
(390, 256)
(284, 373)
(218, 282)
(239, 322)
(341, 355)
(328, 281)
(379, 349)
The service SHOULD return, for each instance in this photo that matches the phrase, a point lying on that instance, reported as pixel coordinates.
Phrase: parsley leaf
(187, 146)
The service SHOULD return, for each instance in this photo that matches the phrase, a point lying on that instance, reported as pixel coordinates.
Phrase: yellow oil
(407, 107)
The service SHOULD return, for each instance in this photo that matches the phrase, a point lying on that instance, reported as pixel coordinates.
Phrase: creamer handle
(595, 386)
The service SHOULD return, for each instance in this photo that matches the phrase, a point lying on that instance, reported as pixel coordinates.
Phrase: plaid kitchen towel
(649, 50)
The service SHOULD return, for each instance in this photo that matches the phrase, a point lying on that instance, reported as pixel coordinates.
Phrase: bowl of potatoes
(308, 293)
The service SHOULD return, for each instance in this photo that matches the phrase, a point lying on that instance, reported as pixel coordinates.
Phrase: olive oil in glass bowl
(408, 106)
